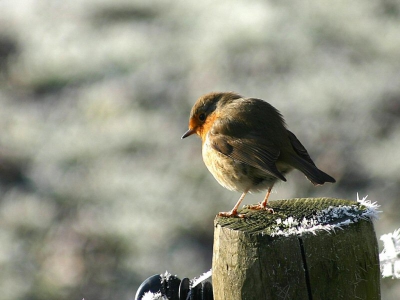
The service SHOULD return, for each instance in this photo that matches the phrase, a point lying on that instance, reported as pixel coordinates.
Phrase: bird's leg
(265, 201)
(263, 204)
(233, 212)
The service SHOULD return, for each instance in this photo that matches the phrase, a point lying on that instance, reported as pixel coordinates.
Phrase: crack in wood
(304, 259)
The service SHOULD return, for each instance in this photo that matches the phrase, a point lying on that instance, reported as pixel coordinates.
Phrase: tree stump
(308, 249)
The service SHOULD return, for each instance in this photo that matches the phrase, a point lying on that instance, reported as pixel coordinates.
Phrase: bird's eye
(202, 117)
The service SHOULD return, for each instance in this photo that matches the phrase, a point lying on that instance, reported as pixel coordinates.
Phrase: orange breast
(205, 128)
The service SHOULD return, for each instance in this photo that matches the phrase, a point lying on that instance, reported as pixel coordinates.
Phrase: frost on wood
(334, 217)
(390, 256)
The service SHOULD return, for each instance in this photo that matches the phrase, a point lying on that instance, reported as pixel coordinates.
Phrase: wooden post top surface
(319, 248)
(299, 215)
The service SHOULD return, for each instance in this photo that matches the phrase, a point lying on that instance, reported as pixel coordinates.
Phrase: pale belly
(235, 175)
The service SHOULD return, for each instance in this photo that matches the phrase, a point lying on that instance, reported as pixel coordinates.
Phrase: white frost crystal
(328, 219)
(390, 255)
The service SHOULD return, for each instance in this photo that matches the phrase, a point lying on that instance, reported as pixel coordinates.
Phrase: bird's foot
(231, 214)
(261, 206)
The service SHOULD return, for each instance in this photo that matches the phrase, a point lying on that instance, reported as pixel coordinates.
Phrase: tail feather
(302, 161)
(315, 175)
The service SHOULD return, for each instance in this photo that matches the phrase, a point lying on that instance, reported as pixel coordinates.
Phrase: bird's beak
(187, 133)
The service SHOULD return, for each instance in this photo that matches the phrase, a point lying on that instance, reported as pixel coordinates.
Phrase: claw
(260, 206)
(231, 214)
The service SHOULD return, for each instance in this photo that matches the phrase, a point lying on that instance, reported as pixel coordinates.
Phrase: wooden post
(308, 249)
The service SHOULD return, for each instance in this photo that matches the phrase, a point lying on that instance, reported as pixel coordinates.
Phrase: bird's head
(205, 111)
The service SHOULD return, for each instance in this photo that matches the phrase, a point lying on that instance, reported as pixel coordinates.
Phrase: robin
(246, 146)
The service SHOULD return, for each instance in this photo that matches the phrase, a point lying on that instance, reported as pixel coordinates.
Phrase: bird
(247, 147)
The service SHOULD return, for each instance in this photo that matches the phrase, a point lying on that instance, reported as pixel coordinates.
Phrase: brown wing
(246, 150)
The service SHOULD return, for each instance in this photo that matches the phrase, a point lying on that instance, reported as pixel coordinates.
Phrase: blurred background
(98, 191)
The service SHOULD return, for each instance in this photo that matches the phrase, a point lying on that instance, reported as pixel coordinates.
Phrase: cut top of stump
(301, 215)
